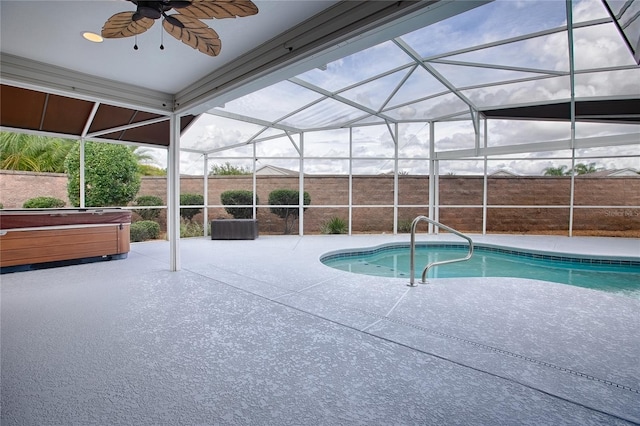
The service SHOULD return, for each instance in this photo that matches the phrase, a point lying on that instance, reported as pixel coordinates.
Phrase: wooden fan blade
(194, 33)
(122, 25)
(209, 9)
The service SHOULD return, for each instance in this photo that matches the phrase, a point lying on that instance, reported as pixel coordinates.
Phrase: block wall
(460, 200)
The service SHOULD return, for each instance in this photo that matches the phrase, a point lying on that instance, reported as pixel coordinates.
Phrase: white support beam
(301, 189)
(173, 194)
(432, 174)
(572, 84)
(298, 149)
(127, 127)
(83, 184)
(252, 120)
(92, 114)
(394, 135)
(350, 181)
(565, 144)
(254, 182)
(416, 57)
(205, 212)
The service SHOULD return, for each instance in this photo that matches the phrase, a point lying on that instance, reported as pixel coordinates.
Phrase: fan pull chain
(161, 39)
(135, 46)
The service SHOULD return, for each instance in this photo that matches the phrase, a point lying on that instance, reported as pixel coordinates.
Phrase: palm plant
(583, 169)
(33, 153)
(335, 225)
(556, 171)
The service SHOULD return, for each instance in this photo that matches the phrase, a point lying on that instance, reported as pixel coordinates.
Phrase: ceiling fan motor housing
(155, 9)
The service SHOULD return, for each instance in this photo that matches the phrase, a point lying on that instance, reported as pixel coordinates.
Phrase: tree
(583, 169)
(287, 197)
(148, 200)
(238, 197)
(149, 170)
(556, 171)
(111, 174)
(190, 200)
(228, 169)
(19, 151)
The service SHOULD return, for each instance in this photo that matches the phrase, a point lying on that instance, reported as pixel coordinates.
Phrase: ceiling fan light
(93, 37)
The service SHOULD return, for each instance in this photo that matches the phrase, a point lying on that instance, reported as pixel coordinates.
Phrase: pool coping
(528, 253)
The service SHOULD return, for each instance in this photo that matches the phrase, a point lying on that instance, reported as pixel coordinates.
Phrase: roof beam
(252, 120)
(416, 57)
(127, 127)
(337, 97)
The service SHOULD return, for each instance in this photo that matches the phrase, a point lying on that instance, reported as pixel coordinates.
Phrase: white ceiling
(50, 32)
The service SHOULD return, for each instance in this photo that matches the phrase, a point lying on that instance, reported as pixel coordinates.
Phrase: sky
(595, 46)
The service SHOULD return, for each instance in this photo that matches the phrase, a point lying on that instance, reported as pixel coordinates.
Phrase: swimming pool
(620, 276)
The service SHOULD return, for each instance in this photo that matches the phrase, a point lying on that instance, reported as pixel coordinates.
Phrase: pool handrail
(414, 224)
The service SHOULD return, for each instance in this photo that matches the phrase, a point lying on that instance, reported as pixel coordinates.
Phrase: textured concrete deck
(260, 332)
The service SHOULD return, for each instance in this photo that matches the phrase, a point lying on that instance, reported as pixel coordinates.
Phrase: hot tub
(35, 238)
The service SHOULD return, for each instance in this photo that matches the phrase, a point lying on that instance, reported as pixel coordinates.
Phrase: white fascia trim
(39, 133)
(345, 28)
(34, 75)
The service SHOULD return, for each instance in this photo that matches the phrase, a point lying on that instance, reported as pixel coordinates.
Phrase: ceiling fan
(185, 25)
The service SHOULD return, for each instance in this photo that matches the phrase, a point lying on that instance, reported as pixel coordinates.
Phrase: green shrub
(191, 229)
(43, 203)
(148, 200)
(287, 197)
(111, 174)
(144, 230)
(1, 206)
(238, 197)
(335, 225)
(190, 200)
(404, 225)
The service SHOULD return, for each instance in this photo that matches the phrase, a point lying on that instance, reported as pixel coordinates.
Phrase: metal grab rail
(414, 224)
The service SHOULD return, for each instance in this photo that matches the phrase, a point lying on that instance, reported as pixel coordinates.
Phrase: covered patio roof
(36, 111)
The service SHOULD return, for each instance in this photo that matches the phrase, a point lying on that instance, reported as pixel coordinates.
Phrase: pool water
(618, 276)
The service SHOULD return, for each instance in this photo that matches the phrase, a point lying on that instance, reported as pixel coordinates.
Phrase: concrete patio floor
(261, 333)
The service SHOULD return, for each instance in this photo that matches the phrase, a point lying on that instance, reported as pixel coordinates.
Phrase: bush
(191, 229)
(335, 225)
(43, 203)
(287, 197)
(111, 174)
(144, 230)
(238, 197)
(148, 200)
(404, 225)
(190, 200)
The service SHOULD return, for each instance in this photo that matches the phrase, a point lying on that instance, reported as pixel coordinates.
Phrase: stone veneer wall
(460, 200)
